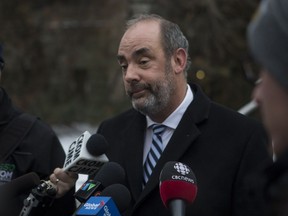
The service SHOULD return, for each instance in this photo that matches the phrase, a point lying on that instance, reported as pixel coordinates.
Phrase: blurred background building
(61, 55)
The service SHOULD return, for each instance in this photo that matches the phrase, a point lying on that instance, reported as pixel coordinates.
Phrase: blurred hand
(64, 181)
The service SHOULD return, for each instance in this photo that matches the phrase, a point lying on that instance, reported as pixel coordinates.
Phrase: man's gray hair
(172, 36)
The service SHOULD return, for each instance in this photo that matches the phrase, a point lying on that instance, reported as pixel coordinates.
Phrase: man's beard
(159, 94)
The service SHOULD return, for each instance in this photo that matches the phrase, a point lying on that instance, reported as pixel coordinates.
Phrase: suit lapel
(134, 137)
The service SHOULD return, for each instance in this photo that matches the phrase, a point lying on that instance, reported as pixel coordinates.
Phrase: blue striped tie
(155, 151)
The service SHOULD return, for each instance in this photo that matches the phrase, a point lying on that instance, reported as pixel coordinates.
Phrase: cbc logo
(181, 168)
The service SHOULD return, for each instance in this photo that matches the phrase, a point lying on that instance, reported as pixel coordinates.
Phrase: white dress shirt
(171, 122)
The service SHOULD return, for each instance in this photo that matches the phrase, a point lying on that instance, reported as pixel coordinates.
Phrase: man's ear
(179, 60)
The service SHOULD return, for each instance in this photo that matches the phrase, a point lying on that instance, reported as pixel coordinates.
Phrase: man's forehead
(141, 31)
(139, 39)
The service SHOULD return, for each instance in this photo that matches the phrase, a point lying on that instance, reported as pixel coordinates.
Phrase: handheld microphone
(15, 188)
(110, 173)
(120, 194)
(178, 187)
(43, 195)
(113, 200)
(19, 185)
(86, 154)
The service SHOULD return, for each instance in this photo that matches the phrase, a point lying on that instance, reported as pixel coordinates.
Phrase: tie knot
(158, 129)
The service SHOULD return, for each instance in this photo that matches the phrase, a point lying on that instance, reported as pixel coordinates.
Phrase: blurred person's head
(268, 41)
(153, 55)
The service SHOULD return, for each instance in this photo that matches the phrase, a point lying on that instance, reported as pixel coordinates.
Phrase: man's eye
(123, 67)
(143, 62)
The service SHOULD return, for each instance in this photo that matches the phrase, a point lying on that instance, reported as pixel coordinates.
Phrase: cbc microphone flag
(98, 205)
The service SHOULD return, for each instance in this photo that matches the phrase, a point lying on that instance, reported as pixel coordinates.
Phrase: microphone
(120, 194)
(178, 187)
(16, 187)
(43, 195)
(19, 185)
(24, 183)
(110, 173)
(86, 154)
(113, 200)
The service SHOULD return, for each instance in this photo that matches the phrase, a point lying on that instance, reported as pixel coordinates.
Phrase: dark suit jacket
(221, 146)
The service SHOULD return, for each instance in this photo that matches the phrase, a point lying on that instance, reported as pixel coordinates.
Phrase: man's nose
(132, 73)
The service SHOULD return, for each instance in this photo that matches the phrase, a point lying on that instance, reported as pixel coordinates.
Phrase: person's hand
(64, 181)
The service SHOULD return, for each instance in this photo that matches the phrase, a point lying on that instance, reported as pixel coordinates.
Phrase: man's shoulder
(37, 130)
(228, 114)
(234, 123)
(222, 113)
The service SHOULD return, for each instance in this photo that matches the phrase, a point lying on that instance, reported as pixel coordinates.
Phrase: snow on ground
(68, 134)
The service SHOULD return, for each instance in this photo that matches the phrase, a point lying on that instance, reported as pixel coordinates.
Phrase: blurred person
(268, 40)
(220, 145)
(28, 145)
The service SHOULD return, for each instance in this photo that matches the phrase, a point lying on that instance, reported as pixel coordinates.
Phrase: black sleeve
(48, 154)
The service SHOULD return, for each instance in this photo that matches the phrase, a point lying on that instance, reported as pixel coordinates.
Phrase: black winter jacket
(41, 152)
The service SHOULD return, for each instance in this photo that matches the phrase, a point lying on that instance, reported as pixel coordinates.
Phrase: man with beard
(220, 145)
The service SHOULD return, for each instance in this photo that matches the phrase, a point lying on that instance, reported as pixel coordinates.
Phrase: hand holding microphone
(85, 156)
(63, 181)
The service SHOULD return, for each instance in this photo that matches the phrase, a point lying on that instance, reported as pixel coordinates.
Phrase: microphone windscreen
(110, 173)
(120, 195)
(96, 145)
(20, 185)
(177, 181)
